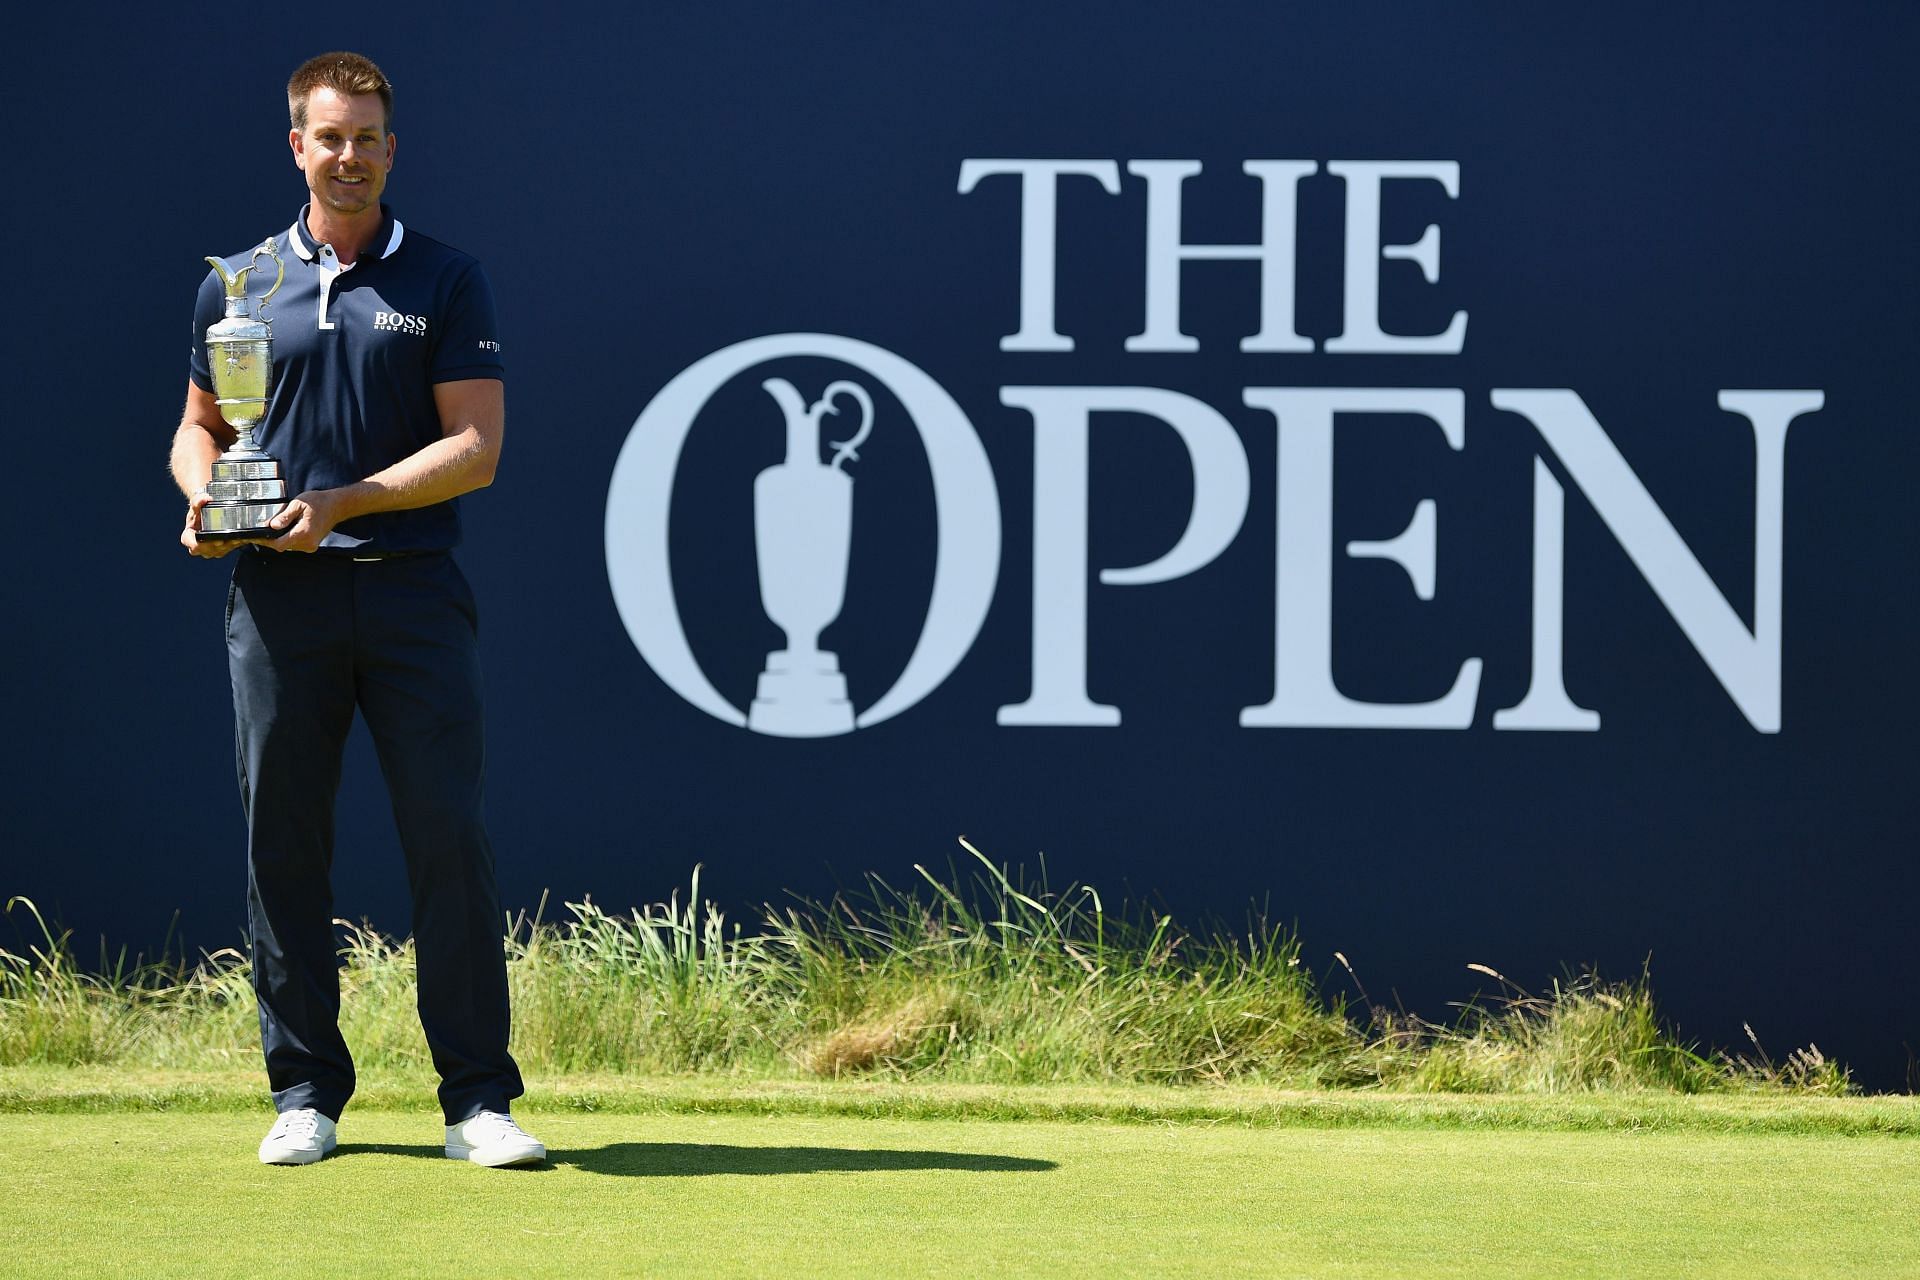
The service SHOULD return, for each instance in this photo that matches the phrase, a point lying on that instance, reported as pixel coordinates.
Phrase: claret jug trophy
(247, 487)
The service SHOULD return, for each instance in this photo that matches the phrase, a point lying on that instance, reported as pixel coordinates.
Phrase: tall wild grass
(963, 979)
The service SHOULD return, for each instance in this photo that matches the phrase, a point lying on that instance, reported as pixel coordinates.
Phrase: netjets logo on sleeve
(803, 530)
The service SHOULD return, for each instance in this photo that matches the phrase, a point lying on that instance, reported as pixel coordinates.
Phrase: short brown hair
(345, 73)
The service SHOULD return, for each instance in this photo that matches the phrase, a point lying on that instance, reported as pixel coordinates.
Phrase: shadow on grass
(694, 1159)
(418, 1150)
(698, 1159)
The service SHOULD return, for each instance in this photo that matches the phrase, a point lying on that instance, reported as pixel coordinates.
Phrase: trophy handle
(266, 247)
(845, 451)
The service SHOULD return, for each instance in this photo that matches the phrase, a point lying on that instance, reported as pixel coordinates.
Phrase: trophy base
(248, 490)
(793, 701)
(220, 521)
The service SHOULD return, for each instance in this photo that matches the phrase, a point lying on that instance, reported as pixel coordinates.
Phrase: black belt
(330, 553)
(393, 555)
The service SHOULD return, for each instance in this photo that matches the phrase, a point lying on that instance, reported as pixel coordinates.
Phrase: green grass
(958, 1080)
(987, 981)
(118, 1090)
(693, 1194)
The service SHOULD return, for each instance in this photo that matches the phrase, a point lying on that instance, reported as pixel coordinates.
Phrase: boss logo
(395, 322)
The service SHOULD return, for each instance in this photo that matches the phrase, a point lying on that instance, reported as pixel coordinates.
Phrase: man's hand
(190, 535)
(307, 519)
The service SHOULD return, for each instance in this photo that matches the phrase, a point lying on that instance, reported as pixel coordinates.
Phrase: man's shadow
(694, 1159)
(698, 1159)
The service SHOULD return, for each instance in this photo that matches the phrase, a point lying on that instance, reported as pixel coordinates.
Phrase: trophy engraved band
(247, 488)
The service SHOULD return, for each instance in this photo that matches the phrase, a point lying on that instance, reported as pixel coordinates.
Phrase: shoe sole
(297, 1156)
(509, 1161)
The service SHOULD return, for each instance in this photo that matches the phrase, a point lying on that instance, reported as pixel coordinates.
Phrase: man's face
(345, 150)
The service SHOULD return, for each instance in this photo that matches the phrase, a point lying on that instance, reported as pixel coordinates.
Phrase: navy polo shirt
(356, 354)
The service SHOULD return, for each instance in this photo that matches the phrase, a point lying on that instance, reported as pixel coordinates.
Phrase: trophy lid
(241, 328)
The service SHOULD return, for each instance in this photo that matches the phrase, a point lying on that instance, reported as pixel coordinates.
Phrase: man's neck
(347, 233)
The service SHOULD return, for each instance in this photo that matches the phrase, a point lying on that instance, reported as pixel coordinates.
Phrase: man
(387, 405)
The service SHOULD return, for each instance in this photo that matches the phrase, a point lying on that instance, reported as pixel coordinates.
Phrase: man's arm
(200, 438)
(472, 423)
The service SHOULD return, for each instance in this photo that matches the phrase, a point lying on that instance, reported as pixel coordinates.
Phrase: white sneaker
(494, 1140)
(300, 1136)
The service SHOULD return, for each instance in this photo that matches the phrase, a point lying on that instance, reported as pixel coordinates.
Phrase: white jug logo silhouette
(803, 537)
(803, 524)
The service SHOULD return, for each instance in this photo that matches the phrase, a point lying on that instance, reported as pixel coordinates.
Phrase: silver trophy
(247, 487)
(802, 532)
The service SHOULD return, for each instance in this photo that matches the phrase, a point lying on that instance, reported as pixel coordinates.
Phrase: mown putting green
(720, 1195)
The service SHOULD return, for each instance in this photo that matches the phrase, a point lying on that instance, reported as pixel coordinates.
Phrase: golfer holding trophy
(333, 419)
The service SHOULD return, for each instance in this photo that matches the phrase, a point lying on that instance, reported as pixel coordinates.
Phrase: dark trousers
(309, 638)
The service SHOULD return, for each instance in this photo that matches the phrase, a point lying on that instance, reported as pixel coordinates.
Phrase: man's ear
(295, 141)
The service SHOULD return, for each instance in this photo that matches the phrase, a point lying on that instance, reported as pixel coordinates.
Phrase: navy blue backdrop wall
(1646, 209)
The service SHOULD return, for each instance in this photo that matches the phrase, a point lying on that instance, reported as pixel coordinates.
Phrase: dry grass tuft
(889, 1037)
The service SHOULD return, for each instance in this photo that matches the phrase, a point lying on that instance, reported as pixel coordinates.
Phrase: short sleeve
(468, 345)
(208, 307)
